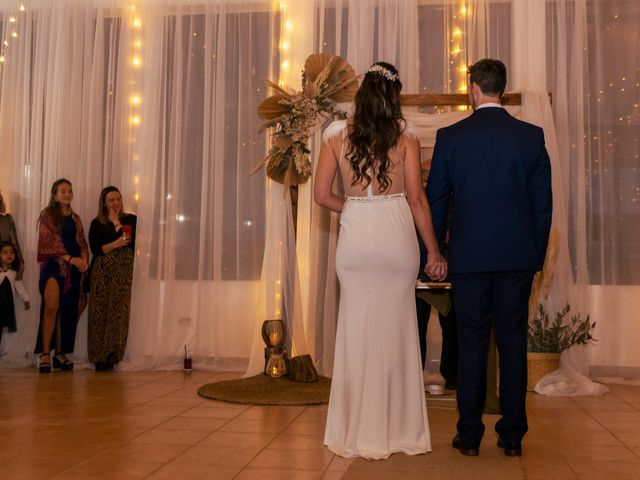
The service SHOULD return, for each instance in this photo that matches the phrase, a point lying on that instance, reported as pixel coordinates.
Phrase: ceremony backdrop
(159, 98)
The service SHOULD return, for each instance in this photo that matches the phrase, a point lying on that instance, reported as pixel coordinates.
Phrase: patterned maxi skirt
(109, 305)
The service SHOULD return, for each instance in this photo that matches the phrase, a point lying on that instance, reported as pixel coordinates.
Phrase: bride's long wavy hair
(377, 125)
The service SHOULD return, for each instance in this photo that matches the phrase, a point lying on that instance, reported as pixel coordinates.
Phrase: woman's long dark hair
(377, 125)
(53, 210)
(103, 211)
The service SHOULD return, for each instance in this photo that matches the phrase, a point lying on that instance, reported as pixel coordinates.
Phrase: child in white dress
(9, 286)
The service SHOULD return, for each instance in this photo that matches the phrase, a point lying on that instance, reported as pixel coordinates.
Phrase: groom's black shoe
(468, 451)
(511, 449)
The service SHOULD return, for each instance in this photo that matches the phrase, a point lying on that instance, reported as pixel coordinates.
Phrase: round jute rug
(265, 390)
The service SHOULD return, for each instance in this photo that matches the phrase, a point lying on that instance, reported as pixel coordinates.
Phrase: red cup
(126, 230)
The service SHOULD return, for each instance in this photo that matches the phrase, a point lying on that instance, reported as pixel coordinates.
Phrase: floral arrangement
(326, 80)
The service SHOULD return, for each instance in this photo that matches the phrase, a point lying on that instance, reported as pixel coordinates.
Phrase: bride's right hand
(436, 266)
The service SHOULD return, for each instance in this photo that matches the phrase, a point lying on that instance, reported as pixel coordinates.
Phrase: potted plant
(547, 339)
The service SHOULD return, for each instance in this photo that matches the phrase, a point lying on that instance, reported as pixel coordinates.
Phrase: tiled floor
(153, 425)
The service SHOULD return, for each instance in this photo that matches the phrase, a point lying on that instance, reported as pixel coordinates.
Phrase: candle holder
(274, 334)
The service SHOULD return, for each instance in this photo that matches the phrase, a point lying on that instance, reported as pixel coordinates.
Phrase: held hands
(436, 267)
(79, 263)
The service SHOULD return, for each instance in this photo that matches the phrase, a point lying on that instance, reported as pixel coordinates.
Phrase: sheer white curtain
(158, 98)
(61, 111)
(362, 32)
(593, 71)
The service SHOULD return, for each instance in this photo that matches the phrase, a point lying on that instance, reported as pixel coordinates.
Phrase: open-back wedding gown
(377, 404)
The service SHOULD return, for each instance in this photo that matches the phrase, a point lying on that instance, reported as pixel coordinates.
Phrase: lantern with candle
(274, 334)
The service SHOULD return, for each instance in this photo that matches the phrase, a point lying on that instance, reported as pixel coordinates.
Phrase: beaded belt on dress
(375, 198)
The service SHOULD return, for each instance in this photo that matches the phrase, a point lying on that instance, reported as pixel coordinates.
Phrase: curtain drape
(158, 97)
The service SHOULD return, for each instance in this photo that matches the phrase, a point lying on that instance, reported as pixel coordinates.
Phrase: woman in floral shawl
(63, 256)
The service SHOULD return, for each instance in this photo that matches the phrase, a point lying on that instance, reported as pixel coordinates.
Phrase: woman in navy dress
(63, 256)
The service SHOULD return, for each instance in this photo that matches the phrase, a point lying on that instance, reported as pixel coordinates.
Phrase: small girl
(9, 284)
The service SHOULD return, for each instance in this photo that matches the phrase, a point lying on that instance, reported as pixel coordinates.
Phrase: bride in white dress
(377, 405)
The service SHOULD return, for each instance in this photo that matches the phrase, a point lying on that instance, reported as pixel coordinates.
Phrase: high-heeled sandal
(60, 361)
(44, 367)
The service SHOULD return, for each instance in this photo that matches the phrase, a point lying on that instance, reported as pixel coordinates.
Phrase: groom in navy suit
(494, 172)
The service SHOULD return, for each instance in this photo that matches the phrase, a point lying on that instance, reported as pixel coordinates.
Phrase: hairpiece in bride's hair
(385, 72)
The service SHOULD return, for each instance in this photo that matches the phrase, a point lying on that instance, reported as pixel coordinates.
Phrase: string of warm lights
(135, 98)
(286, 35)
(458, 57)
(12, 33)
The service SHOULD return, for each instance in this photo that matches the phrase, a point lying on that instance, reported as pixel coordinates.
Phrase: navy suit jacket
(495, 172)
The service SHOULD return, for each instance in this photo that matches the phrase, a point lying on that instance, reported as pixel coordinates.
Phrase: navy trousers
(483, 298)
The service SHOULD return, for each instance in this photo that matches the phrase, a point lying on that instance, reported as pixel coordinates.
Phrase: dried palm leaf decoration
(326, 80)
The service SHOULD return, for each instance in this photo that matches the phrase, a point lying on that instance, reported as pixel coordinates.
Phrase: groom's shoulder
(529, 126)
(459, 126)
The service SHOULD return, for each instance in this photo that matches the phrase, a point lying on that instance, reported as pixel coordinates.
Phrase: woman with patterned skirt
(112, 239)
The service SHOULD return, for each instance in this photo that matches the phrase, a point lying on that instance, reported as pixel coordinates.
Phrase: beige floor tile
(144, 453)
(159, 436)
(630, 439)
(591, 454)
(254, 425)
(607, 470)
(332, 475)
(138, 421)
(306, 428)
(616, 426)
(278, 474)
(194, 472)
(265, 412)
(216, 456)
(317, 459)
(158, 410)
(234, 439)
(615, 417)
(296, 442)
(25, 467)
(169, 401)
(340, 464)
(202, 411)
(119, 469)
(193, 423)
(154, 425)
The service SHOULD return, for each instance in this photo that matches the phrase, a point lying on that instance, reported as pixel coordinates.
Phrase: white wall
(617, 351)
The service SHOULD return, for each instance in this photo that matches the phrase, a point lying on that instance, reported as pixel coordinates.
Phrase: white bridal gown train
(377, 405)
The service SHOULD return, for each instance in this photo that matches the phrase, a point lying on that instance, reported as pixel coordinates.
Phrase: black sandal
(44, 367)
(61, 362)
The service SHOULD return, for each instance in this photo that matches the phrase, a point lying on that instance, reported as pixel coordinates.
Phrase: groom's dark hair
(490, 75)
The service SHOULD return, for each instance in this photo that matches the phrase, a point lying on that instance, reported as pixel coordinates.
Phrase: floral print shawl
(50, 245)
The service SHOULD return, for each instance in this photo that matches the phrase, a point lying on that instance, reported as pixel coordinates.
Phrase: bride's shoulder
(333, 130)
(411, 132)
